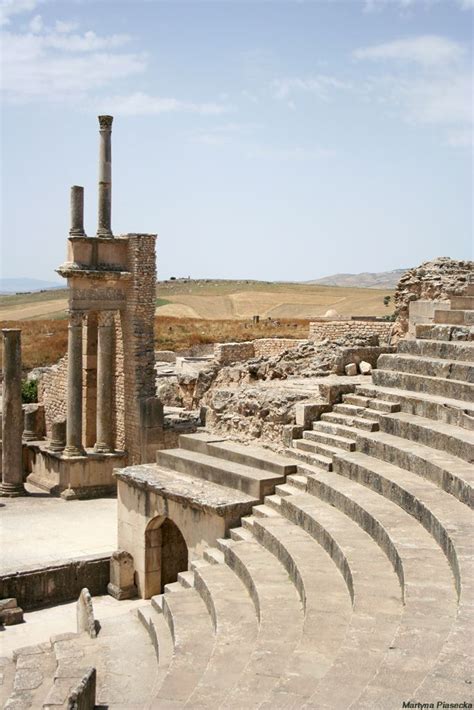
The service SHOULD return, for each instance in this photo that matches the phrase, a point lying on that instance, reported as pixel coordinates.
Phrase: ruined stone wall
(52, 392)
(119, 390)
(228, 353)
(433, 280)
(138, 338)
(337, 329)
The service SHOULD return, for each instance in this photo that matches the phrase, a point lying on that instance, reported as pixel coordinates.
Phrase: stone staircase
(350, 585)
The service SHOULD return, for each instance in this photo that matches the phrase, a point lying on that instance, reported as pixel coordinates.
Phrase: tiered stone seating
(350, 585)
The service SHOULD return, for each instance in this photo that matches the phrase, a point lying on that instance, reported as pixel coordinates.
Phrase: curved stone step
(429, 589)
(450, 473)
(430, 367)
(327, 608)
(457, 350)
(280, 620)
(151, 616)
(438, 435)
(322, 437)
(452, 526)
(193, 637)
(453, 389)
(376, 592)
(236, 629)
(443, 409)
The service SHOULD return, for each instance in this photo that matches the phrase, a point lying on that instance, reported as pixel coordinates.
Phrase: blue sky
(268, 140)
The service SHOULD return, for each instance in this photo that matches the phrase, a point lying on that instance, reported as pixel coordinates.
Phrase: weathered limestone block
(10, 612)
(85, 614)
(58, 436)
(122, 576)
(365, 368)
(351, 369)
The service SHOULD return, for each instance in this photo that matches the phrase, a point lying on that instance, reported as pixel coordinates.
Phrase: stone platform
(38, 529)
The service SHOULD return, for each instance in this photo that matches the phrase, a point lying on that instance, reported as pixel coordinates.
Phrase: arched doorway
(166, 554)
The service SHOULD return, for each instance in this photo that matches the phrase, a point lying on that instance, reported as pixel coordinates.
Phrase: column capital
(105, 318)
(105, 123)
(76, 317)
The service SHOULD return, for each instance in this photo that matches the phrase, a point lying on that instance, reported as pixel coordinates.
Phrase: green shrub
(29, 391)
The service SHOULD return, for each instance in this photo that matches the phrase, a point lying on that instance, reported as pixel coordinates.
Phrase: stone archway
(166, 554)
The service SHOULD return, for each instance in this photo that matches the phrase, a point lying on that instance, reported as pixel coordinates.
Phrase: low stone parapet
(228, 353)
(324, 329)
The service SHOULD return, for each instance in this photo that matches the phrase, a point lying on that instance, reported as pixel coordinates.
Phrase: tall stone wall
(431, 281)
(52, 392)
(137, 323)
(337, 329)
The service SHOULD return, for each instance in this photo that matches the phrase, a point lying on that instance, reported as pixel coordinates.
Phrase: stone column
(74, 386)
(12, 416)
(105, 381)
(104, 228)
(77, 212)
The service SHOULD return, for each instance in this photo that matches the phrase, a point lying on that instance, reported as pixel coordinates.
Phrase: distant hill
(24, 285)
(382, 279)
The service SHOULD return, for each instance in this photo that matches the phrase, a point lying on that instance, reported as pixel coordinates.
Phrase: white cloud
(404, 5)
(142, 104)
(36, 24)
(8, 8)
(425, 50)
(321, 85)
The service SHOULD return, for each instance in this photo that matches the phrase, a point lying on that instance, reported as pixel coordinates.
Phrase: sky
(260, 140)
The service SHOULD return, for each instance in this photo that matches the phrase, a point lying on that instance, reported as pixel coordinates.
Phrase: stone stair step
(454, 350)
(186, 579)
(151, 616)
(246, 454)
(264, 511)
(363, 422)
(430, 596)
(430, 367)
(324, 437)
(251, 481)
(236, 629)
(346, 429)
(213, 556)
(309, 453)
(356, 400)
(247, 526)
(454, 317)
(280, 617)
(438, 435)
(297, 481)
(241, 534)
(273, 502)
(463, 303)
(448, 472)
(173, 587)
(193, 637)
(452, 389)
(374, 588)
(315, 448)
(451, 411)
(451, 525)
(287, 490)
(326, 602)
(444, 332)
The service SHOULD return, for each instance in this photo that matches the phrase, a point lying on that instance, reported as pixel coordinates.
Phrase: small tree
(29, 391)
(386, 300)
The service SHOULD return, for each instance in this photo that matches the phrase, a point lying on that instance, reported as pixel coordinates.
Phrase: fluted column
(104, 228)
(74, 386)
(12, 416)
(105, 381)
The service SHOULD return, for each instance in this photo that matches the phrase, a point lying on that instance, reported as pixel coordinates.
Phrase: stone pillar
(74, 386)
(77, 212)
(104, 228)
(58, 436)
(105, 381)
(12, 416)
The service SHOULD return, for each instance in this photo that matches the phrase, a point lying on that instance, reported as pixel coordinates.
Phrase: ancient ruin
(294, 518)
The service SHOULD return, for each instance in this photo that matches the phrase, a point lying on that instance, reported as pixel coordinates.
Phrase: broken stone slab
(365, 367)
(122, 573)
(85, 614)
(10, 612)
(351, 369)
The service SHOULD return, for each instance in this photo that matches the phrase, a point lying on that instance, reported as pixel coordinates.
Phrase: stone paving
(40, 529)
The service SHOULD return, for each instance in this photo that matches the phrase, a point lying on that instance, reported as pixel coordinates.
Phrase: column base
(12, 490)
(101, 448)
(71, 451)
(121, 593)
(105, 234)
